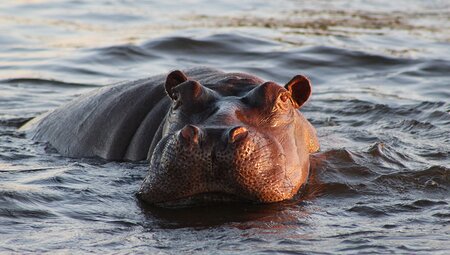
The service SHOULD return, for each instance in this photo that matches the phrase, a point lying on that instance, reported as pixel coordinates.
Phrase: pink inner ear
(300, 89)
(174, 79)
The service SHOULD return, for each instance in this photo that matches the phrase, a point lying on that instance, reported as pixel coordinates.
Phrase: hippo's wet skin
(206, 133)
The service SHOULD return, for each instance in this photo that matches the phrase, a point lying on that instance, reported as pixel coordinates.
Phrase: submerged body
(204, 132)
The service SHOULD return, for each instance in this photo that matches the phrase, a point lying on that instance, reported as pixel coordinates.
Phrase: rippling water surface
(380, 71)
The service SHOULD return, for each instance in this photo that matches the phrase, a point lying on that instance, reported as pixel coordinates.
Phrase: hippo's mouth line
(206, 198)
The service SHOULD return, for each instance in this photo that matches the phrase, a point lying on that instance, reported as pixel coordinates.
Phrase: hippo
(208, 135)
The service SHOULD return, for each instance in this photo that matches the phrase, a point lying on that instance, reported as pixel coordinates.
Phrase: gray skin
(206, 133)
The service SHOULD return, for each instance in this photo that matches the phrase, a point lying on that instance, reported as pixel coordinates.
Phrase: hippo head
(233, 140)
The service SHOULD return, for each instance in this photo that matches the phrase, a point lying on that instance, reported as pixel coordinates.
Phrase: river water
(381, 89)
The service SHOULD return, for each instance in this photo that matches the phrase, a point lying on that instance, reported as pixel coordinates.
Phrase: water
(381, 89)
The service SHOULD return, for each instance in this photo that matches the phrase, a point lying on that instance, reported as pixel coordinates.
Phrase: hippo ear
(300, 89)
(174, 79)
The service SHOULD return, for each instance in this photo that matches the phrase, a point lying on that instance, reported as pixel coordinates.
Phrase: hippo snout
(234, 161)
(193, 135)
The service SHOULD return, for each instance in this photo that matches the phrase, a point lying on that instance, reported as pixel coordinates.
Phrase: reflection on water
(380, 105)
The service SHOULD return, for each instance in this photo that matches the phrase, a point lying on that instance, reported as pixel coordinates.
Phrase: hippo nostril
(190, 133)
(237, 134)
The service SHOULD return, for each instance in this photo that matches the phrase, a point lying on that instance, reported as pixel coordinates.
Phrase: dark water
(380, 72)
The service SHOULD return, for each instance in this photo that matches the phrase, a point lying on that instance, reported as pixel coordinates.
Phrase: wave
(379, 170)
(242, 47)
(15, 122)
(48, 82)
(122, 53)
(434, 178)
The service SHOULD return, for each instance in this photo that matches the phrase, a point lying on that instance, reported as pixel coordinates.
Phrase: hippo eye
(282, 102)
(176, 99)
